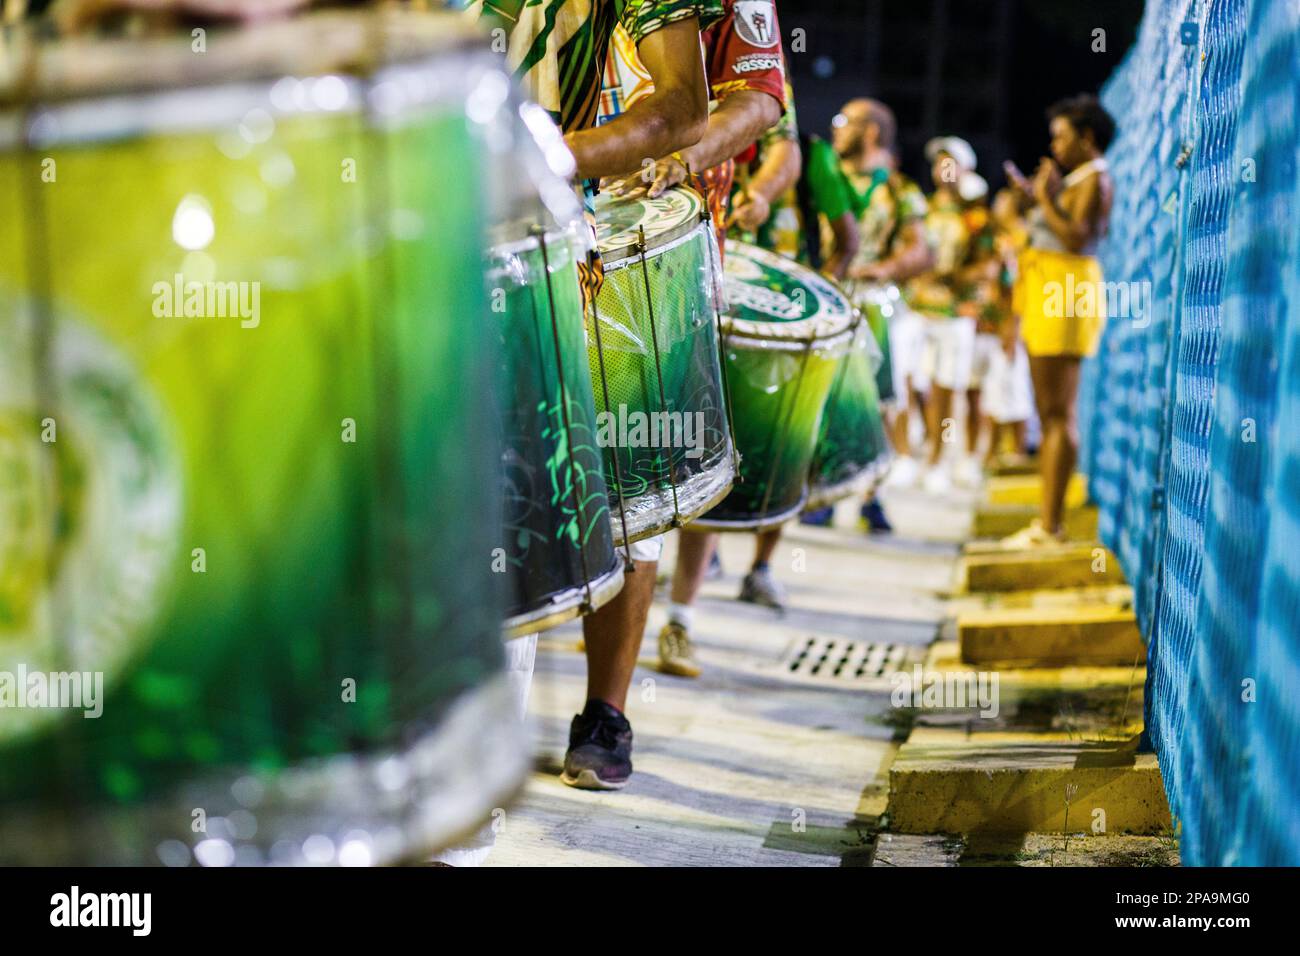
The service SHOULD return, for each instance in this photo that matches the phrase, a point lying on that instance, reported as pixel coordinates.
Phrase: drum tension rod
(540, 234)
(659, 372)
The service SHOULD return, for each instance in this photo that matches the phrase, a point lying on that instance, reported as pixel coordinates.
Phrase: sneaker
(759, 587)
(819, 517)
(970, 474)
(676, 655)
(873, 516)
(714, 571)
(600, 749)
(937, 481)
(1033, 536)
(904, 472)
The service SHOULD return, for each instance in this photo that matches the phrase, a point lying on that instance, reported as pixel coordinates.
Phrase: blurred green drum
(784, 338)
(852, 448)
(248, 479)
(557, 539)
(653, 348)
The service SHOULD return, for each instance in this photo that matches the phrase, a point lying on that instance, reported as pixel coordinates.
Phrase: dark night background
(984, 70)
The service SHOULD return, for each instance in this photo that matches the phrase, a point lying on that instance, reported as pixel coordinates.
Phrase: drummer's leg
(613, 636)
(694, 551)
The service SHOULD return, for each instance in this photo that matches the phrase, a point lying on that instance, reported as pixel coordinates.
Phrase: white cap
(954, 146)
(972, 186)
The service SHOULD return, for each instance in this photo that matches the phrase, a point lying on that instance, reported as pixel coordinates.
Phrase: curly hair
(1086, 114)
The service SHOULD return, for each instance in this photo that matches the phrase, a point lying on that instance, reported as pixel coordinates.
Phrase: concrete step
(1101, 635)
(997, 521)
(1028, 490)
(1072, 565)
(950, 781)
(1025, 849)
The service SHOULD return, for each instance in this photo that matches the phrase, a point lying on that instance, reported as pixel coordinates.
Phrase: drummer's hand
(653, 179)
(71, 16)
(750, 212)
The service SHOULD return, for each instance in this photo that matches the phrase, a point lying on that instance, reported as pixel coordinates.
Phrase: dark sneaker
(600, 749)
(820, 517)
(873, 516)
(759, 587)
(714, 571)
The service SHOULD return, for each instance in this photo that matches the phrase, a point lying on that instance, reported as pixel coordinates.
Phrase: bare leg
(974, 422)
(902, 438)
(765, 543)
(613, 637)
(1018, 430)
(694, 551)
(940, 408)
(1056, 384)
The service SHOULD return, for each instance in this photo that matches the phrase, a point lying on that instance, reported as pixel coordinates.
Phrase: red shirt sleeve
(744, 52)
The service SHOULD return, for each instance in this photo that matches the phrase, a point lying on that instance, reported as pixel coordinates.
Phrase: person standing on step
(1059, 293)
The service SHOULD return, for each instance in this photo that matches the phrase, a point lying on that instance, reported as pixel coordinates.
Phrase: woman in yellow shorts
(1059, 293)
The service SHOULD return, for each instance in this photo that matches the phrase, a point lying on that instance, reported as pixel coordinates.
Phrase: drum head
(664, 219)
(772, 297)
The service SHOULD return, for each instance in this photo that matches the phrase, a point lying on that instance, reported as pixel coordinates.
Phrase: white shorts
(950, 351)
(906, 351)
(1008, 389)
(647, 549)
(986, 343)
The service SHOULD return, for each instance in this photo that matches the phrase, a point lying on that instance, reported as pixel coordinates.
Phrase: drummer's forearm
(672, 118)
(737, 122)
(779, 170)
(654, 127)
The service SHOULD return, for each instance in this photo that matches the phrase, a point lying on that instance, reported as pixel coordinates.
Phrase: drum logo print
(88, 521)
(770, 302)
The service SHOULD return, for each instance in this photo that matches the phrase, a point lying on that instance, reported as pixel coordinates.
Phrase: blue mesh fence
(1191, 455)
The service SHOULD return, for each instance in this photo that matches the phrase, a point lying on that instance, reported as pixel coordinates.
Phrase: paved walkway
(759, 762)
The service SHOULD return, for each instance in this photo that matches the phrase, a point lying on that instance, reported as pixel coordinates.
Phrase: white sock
(682, 614)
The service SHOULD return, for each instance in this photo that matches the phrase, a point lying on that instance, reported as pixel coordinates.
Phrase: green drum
(653, 348)
(557, 542)
(785, 335)
(248, 483)
(853, 447)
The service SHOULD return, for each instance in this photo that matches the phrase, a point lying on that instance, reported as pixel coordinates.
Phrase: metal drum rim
(40, 118)
(604, 588)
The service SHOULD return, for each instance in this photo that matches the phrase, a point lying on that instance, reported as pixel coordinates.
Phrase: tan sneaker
(1031, 537)
(676, 656)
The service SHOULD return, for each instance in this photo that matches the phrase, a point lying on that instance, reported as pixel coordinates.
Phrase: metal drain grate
(839, 659)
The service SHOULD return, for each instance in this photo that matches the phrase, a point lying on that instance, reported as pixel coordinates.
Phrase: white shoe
(969, 473)
(1031, 537)
(937, 481)
(904, 472)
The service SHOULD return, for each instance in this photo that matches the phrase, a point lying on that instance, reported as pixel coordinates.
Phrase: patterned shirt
(558, 48)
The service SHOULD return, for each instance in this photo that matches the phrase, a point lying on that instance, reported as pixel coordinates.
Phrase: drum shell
(296, 622)
(852, 446)
(778, 390)
(660, 303)
(556, 534)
